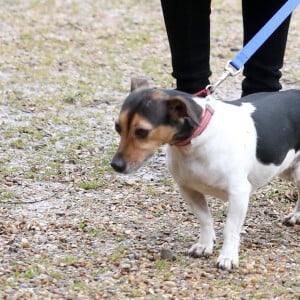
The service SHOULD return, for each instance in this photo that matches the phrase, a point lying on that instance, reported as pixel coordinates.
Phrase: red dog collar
(202, 124)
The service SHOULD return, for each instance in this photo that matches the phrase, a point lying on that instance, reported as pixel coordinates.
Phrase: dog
(222, 149)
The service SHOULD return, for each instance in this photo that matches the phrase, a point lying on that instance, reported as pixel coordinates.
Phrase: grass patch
(119, 253)
(91, 184)
(162, 265)
(78, 286)
(4, 283)
(69, 260)
(6, 195)
(18, 144)
(91, 231)
(152, 192)
(57, 275)
(28, 274)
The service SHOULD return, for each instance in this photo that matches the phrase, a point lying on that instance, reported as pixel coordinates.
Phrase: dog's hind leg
(294, 217)
(197, 201)
(238, 205)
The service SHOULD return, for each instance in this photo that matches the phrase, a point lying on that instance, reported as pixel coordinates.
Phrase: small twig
(37, 201)
(75, 26)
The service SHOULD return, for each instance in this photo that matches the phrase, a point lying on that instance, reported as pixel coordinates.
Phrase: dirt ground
(70, 228)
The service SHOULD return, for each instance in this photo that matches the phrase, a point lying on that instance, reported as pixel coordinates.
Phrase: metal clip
(229, 71)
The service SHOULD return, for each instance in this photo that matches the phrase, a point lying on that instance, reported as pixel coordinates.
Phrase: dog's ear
(138, 83)
(182, 108)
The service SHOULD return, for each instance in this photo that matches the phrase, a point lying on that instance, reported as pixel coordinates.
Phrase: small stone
(60, 213)
(254, 279)
(125, 267)
(170, 283)
(27, 295)
(131, 256)
(117, 275)
(167, 254)
(13, 229)
(25, 244)
(249, 266)
(9, 291)
(131, 279)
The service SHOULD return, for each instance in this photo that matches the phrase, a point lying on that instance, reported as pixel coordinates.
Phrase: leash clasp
(229, 71)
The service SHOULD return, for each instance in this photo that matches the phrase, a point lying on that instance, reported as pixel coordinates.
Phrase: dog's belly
(262, 174)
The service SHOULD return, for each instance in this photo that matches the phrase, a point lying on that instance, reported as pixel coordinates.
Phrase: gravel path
(70, 228)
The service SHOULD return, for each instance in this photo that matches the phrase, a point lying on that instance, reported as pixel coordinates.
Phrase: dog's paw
(292, 219)
(199, 249)
(227, 263)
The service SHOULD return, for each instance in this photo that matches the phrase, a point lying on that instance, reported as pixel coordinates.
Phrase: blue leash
(255, 43)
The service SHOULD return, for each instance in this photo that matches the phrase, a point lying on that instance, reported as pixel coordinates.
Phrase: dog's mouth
(125, 167)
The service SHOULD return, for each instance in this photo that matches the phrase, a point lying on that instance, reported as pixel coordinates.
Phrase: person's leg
(188, 28)
(262, 71)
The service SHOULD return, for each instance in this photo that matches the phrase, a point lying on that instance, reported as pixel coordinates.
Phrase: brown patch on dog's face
(139, 140)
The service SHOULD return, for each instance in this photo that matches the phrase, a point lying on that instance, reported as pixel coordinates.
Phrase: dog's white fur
(222, 162)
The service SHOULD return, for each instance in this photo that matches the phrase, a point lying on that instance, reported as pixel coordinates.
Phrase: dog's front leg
(204, 247)
(237, 210)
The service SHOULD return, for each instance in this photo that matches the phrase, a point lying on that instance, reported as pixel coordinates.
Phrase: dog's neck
(207, 104)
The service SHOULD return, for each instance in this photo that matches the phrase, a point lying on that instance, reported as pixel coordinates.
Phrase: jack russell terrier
(222, 149)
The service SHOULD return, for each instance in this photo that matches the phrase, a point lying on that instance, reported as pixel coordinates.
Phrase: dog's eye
(118, 128)
(141, 133)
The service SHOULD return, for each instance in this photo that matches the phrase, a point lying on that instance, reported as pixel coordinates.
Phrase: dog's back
(277, 121)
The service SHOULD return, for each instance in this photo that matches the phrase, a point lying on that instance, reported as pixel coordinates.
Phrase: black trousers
(188, 28)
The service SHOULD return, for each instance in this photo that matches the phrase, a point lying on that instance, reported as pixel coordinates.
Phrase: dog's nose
(118, 164)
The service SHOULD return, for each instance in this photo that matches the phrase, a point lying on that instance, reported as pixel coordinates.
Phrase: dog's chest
(198, 175)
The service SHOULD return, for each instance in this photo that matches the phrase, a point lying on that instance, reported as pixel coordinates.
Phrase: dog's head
(150, 118)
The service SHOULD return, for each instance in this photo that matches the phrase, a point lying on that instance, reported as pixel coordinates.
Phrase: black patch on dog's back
(277, 122)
